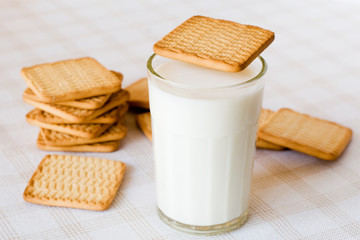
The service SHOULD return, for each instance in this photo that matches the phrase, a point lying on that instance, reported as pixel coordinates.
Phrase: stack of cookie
(80, 105)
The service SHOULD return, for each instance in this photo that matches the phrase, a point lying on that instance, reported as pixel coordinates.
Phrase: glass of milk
(204, 125)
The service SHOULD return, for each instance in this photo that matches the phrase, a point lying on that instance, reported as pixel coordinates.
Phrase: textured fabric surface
(313, 69)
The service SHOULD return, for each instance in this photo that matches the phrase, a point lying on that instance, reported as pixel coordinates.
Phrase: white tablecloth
(314, 68)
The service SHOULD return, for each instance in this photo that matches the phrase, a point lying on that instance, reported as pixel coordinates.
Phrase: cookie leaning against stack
(78, 103)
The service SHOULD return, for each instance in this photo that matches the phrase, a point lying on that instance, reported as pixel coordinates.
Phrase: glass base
(208, 230)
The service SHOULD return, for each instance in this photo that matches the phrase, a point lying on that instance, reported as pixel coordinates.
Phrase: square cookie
(74, 181)
(301, 132)
(70, 79)
(215, 43)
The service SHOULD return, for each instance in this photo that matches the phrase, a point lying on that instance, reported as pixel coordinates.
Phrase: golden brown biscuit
(79, 115)
(70, 79)
(85, 103)
(301, 132)
(215, 43)
(109, 117)
(91, 147)
(81, 130)
(53, 138)
(76, 182)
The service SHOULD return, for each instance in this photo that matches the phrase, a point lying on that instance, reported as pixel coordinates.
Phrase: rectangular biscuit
(78, 115)
(109, 117)
(110, 146)
(215, 43)
(75, 129)
(84, 103)
(70, 79)
(53, 138)
(75, 182)
(301, 132)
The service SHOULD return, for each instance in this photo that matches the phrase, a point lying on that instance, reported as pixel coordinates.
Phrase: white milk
(203, 140)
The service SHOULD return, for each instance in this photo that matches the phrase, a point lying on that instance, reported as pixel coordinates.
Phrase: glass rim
(184, 86)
